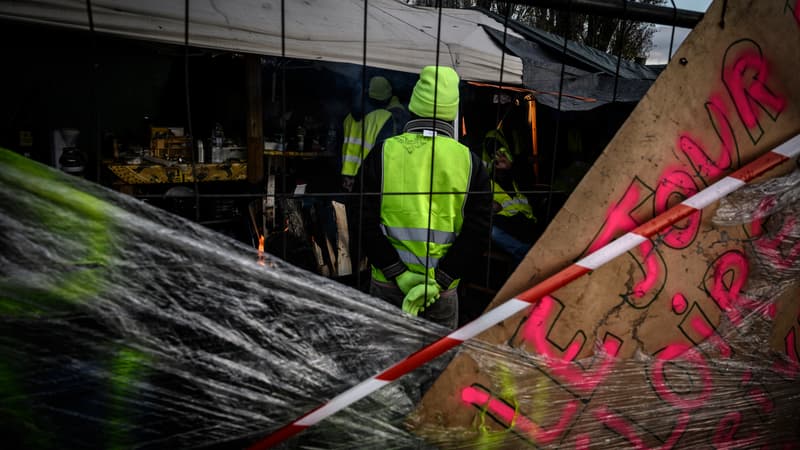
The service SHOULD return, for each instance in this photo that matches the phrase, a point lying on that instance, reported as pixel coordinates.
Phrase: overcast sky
(660, 52)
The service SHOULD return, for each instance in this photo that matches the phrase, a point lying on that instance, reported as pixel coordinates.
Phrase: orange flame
(260, 250)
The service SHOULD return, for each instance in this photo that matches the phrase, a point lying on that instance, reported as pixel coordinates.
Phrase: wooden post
(344, 265)
(255, 119)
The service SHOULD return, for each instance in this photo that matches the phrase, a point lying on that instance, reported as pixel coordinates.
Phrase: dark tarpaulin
(589, 74)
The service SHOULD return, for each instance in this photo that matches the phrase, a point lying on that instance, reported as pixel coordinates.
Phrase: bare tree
(632, 40)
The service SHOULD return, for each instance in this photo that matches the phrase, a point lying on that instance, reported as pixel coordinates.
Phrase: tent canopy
(398, 36)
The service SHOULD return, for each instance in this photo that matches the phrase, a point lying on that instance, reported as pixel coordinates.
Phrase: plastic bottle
(216, 148)
(219, 135)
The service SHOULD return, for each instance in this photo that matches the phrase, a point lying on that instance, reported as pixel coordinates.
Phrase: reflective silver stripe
(514, 201)
(353, 140)
(410, 258)
(358, 141)
(419, 234)
(352, 159)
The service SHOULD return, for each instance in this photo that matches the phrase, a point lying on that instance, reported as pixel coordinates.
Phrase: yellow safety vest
(88, 221)
(518, 204)
(355, 147)
(404, 217)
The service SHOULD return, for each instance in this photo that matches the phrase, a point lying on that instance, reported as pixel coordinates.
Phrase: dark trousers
(444, 312)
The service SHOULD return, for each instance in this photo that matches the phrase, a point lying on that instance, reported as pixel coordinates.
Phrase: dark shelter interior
(95, 105)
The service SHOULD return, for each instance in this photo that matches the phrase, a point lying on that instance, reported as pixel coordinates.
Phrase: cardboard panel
(599, 356)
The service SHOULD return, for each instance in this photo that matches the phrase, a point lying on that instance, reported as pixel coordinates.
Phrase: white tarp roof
(399, 36)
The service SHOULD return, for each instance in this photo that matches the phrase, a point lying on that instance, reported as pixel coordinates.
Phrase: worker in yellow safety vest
(384, 117)
(427, 227)
(513, 224)
(50, 383)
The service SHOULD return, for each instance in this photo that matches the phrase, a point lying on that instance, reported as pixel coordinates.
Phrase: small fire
(261, 250)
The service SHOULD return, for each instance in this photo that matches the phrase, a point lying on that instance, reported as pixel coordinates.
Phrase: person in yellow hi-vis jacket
(51, 394)
(427, 226)
(513, 224)
(383, 118)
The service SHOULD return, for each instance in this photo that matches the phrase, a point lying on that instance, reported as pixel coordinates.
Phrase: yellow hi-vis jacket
(356, 147)
(404, 217)
(512, 205)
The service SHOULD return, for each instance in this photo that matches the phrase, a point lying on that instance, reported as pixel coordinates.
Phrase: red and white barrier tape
(623, 244)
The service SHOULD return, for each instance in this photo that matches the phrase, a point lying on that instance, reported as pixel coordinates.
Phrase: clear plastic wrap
(734, 385)
(700, 399)
(772, 210)
(123, 326)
